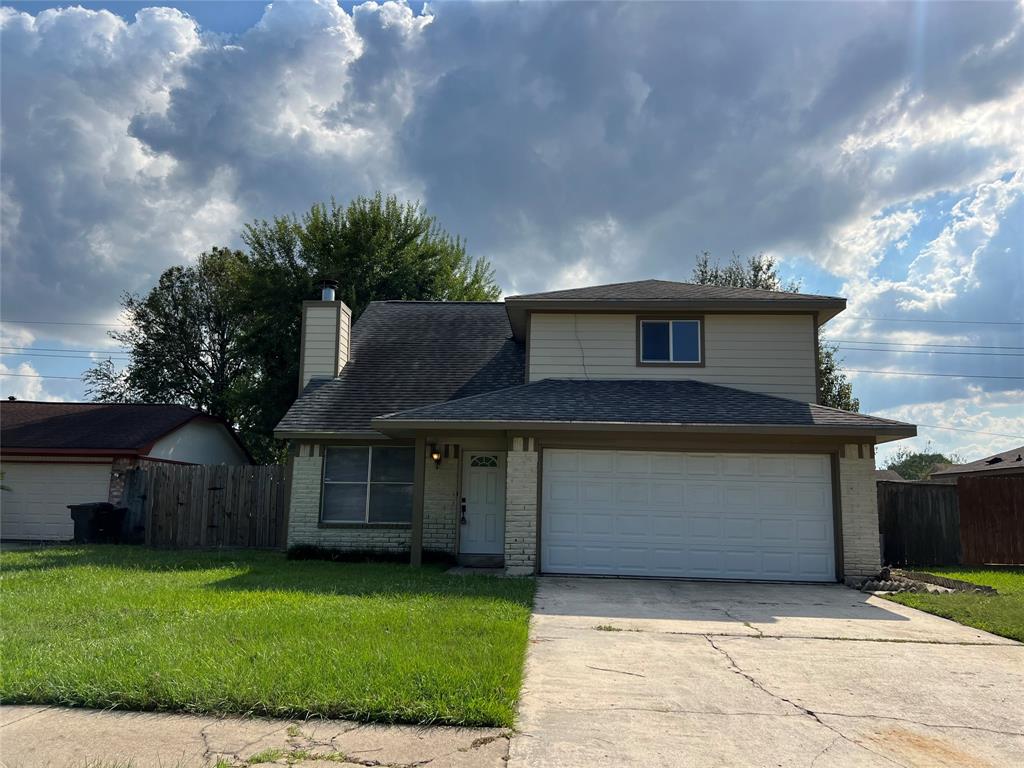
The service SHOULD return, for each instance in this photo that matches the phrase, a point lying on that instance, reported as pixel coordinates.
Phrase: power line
(62, 349)
(975, 431)
(929, 352)
(924, 320)
(944, 375)
(913, 344)
(64, 357)
(62, 322)
(39, 376)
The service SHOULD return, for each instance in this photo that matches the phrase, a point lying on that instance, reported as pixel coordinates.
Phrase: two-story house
(649, 428)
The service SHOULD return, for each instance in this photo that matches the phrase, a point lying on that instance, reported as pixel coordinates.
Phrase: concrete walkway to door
(631, 672)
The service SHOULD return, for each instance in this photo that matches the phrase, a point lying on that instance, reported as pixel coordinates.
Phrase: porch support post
(416, 534)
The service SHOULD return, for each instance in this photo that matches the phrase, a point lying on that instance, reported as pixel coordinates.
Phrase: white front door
(756, 516)
(483, 503)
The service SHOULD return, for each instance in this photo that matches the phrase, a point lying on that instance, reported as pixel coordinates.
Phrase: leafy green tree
(761, 272)
(223, 335)
(184, 341)
(916, 465)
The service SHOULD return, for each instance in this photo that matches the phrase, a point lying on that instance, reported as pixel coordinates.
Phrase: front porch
(476, 502)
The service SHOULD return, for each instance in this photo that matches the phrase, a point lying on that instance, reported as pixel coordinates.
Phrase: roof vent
(995, 460)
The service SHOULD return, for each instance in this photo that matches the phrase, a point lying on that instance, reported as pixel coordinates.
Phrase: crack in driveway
(734, 667)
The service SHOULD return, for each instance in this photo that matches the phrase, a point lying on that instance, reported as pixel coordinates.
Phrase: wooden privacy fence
(919, 523)
(992, 519)
(209, 506)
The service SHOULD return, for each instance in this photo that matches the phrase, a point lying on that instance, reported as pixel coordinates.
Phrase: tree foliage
(183, 338)
(376, 248)
(761, 272)
(222, 335)
(916, 465)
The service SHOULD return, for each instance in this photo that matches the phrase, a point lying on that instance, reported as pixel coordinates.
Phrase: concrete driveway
(670, 673)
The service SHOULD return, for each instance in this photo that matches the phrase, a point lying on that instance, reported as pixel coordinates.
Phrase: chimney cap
(326, 282)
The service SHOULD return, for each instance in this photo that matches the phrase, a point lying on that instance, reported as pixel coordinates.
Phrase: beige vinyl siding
(325, 340)
(771, 354)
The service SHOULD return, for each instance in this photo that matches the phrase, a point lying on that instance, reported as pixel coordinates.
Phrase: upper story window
(365, 484)
(671, 341)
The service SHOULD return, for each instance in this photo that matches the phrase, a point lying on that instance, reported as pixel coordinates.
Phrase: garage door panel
(632, 492)
(727, 516)
(738, 466)
(667, 494)
(740, 497)
(595, 492)
(36, 506)
(632, 525)
(669, 526)
(697, 465)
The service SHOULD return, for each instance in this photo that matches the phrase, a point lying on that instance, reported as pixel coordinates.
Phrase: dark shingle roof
(999, 463)
(642, 402)
(668, 290)
(407, 354)
(87, 426)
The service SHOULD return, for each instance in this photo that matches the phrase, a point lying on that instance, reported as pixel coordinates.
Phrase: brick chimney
(326, 332)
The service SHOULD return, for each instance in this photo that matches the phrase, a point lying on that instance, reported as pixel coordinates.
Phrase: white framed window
(671, 341)
(367, 484)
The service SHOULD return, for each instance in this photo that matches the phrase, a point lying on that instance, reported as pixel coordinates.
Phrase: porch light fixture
(435, 454)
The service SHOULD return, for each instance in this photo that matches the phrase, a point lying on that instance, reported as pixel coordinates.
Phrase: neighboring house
(888, 476)
(640, 429)
(55, 454)
(1006, 463)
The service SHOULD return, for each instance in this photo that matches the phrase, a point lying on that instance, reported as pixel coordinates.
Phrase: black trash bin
(97, 522)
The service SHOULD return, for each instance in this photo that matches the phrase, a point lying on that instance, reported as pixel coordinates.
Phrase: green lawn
(1001, 614)
(252, 632)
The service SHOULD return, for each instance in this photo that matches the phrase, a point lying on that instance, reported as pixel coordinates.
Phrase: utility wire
(62, 322)
(65, 349)
(40, 376)
(944, 375)
(929, 352)
(66, 357)
(913, 344)
(926, 320)
(975, 431)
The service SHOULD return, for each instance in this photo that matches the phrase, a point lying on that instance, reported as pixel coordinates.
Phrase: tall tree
(183, 339)
(761, 272)
(376, 248)
(222, 335)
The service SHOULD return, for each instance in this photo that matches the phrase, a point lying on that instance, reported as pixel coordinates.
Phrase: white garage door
(697, 515)
(36, 506)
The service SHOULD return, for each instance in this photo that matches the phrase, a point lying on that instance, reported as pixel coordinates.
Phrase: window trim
(365, 522)
(701, 348)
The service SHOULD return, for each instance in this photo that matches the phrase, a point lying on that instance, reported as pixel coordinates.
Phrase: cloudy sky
(874, 148)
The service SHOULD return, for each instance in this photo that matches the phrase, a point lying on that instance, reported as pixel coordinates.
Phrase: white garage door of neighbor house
(696, 515)
(36, 506)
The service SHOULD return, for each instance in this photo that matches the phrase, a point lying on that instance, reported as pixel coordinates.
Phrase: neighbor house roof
(62, 427)
(1007, 462)
(407, 354)
(660, 295)
(646, 403)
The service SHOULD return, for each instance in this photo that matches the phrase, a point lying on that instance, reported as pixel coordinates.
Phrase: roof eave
(881, 433)
(518, 309)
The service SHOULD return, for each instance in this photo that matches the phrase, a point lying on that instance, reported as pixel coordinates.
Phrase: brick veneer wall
(859, 505)
(440, 489)
(440, 505)
(118, 468)
(521, 508)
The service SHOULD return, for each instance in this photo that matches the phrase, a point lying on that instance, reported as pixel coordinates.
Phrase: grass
(1001, 614)
(251, 632)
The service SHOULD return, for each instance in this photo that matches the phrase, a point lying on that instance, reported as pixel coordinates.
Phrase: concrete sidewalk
(59, 737)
